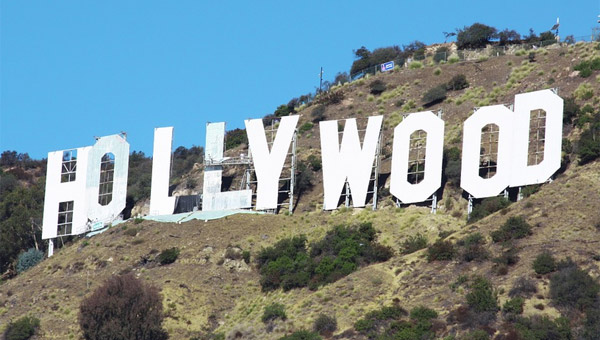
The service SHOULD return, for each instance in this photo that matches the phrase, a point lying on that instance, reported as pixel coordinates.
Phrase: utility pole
(320, 79)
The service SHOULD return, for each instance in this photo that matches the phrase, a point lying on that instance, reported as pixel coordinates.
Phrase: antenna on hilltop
(555, 28)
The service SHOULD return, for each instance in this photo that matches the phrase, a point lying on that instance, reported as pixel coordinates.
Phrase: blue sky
(72, 70)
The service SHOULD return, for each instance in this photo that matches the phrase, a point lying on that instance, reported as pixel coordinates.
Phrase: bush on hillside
(168, 256)
(513, 306)
(123, 308)
(451, 165)
(471, 248)
(390, 322)
(413, 243)
(544, 263)
(325, 324)
(434, 95)
(441, 251)
(288, 264)
(377, 87)
(571, 287)
(29, 259)
(343, 250)
(542, 327)
(523, 287)
(482, 297)
(458, 82)
(274, 311)
(478, 334)
(302, 335)
(22, 329)
(487, 207)
(588, 145)
(318, 113)
(513, 228)
(235, 138)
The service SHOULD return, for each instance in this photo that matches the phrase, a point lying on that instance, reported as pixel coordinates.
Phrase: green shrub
(458, 82)
(542, 328)
(487, 207)
(318, 113)
(344, 249)
(413, 243)
(584, 92)
(586, 67)
(441, 251)
(513, 228)
(415, 65)
(453, 59)
(235, 138)
(434, 95)
(471, 248)
(246, 256)
(513, 306)
(305, 127)
(377, 87)
(315, 162)
(389, 323)
(588, 145)
(124, 307)
(302, 335)
(571, 110)
(544, 263)
(22, 329)
(572, 287)
(274, 311)
(168, 256)
(591, 325)
(482, 297)
(508, 257)
(423, 314)
(29, 259)
(523, 287)
(283, 110)
(476, 335)
(325, 325)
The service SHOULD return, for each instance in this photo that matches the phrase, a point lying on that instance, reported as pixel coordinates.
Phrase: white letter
(268, 165)
(160, 202)
(348, 162)
(119, 148)
(399, 186)
(524, 104)
(65, 189)
(212, 197)
(469, 177)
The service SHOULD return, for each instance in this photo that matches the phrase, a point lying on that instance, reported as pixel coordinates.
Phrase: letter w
(350, 162)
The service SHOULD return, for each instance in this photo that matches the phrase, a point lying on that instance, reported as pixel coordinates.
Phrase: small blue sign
(387, 66)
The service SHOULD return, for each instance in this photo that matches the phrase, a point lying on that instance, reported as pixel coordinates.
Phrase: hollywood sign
(86, 187)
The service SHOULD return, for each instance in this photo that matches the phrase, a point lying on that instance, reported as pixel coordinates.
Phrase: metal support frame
(470, 207)
(489, 140)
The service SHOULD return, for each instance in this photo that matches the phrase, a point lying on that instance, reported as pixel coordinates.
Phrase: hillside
(207, 290)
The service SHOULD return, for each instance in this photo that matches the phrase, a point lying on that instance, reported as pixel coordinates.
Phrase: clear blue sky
(72, 70)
